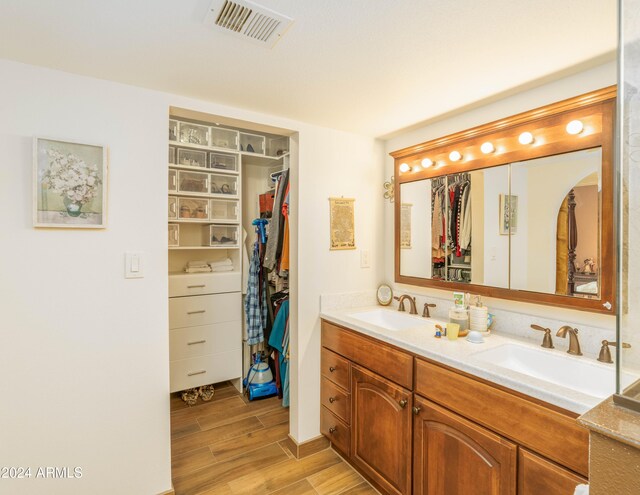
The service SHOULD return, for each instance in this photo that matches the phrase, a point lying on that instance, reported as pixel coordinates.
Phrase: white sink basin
(390, 320)
(577, 373)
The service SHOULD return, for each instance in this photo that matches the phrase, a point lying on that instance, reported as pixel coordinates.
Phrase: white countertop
(460, 353)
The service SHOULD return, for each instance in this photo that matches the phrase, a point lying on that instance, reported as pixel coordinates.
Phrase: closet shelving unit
(205, 221)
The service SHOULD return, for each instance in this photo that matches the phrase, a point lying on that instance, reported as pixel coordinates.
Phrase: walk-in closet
(228, 241)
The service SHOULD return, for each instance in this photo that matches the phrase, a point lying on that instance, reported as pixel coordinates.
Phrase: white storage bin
(222, 161)
(172, 155)
(193, 182)
(223, 236)
(174, 234)
(224, 210)
(173, 130)
(225, 185)
(173, 208)
(252, 143)
(173, 181)
(224, 138)
(194, 133)
(192, 158)
(278, 146)
(193, 209)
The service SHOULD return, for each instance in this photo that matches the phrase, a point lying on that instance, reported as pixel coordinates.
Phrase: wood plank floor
(232, 446)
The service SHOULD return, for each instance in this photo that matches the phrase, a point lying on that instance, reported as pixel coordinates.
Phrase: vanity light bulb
(426, 163)
(455, 156)
(487, 148)
(575, 127)
(526, 138)
(404, 167)
(417, 168)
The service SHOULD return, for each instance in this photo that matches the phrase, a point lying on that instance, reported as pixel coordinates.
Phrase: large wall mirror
(519, 209)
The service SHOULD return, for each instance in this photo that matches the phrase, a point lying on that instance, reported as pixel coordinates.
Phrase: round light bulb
(417, 168)
(404, 167)
(426, 163)
(525, 138)
(575, 127)
(487, 147)
(455, 156)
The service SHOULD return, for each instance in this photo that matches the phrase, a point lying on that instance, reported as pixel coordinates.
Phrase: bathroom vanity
(413, 425)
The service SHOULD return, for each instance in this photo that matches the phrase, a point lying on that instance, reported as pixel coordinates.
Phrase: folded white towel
(581, 490)
(226, 262)
(222, 269)
(192, 264)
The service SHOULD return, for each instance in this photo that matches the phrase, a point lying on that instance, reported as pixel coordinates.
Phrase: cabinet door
(537, 475)
(453, 456)
(381, 430)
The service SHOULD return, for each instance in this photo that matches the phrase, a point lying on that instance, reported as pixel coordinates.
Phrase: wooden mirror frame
(548, 125)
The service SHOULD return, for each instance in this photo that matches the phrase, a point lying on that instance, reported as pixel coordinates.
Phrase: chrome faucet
(425, 311)
(547, 342)
(412, 304)
(574, 343)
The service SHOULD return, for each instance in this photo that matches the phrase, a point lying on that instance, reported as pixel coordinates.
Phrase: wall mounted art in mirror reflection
(69, 184)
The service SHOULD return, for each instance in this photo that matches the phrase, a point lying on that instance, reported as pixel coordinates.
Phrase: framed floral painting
(70, 184)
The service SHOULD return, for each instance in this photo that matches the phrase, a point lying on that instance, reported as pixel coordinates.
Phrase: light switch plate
(365, 259)
(133, 264)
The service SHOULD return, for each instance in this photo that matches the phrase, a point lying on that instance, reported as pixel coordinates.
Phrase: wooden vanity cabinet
(381, 430)
(452, 455)
(537, 475)
(414, 426)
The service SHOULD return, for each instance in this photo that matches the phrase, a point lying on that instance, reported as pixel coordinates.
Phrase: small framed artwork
(508, 214)
(342, 224)
(69, 184)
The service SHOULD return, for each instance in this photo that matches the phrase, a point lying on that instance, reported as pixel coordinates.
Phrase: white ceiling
(368, 66)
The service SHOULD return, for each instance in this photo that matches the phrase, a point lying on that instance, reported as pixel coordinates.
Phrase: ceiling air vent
(248, 20)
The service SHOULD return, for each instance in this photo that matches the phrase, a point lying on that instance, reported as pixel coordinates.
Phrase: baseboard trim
(305, 449)
(169, 492)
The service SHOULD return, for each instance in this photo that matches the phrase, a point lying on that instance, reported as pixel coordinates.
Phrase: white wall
(84, 352)
(598, 77)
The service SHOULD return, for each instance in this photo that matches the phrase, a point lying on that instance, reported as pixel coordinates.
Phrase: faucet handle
(605, 353)
(547, 342)
(425, 311)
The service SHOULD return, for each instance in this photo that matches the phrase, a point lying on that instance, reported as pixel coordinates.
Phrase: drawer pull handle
(403, 403)
(332, 430)
(416, 410)
(201, 372)
(332, 369)
(196, 286)
(332, 399)
(196, 312)
(196, 342)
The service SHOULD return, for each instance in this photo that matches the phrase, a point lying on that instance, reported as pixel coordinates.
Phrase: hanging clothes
(274, 241)
(284, 259)
(465, 219)
(277, 341)
(255, 303)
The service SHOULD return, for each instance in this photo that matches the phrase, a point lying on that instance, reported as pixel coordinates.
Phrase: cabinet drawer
(192, 342)
(193, 284)
(204, 310)
(552, 433)
(335, 368)
(203, 370)
(385, 360)
(336, 400)
(336, 431)
(537, 475)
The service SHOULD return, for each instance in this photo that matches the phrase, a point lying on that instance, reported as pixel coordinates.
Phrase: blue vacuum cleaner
(259, 382)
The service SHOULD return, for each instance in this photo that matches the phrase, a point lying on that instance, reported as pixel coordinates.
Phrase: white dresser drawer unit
(212, 368)
(204, 310)
(192, 342)
(204, 283)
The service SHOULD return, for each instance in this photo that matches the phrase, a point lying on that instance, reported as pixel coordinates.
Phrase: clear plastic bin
(192, 158)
